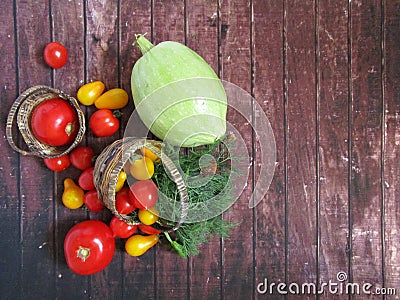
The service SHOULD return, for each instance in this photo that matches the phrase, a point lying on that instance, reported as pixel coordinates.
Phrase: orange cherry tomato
(73, 195)
(148, 217)
(112, 99)
(89, 92)
(142, 168)
(148, 153)
(138, 244)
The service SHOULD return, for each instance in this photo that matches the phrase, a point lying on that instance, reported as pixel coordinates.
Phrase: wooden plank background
(327, 75)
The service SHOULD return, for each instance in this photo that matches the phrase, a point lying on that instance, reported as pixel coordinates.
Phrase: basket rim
(19, 116)
(110, 163)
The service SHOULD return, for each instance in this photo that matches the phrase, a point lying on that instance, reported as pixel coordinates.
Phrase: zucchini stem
(144, 44)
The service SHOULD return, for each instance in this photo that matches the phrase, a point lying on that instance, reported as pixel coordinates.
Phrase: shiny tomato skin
(121, 229)
(55, 122)
(144, 194)
(89, 247)
(103, 123)
(122, 201)
(82, 157)
(92, 201)
(148, 229)
(85, 180)
(57, 164)
(55, 55)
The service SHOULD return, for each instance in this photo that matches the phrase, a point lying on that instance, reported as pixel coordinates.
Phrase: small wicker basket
(111, 162)
(20, 113)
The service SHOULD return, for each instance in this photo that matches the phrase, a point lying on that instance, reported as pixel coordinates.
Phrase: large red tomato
(89, 247)
(144, 194)
(55, 122)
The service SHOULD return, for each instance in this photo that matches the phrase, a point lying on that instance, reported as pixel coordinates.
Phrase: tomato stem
(69, 128)
(83, 253)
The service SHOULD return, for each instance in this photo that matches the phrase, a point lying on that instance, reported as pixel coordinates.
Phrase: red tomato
(122, 201)
(144, 194)
(55, 122)
(82, 157)
(148, 229)
(121, 229)
(92, 201)
(85, 180)
(55, 55)
(89, 247)
(103, 123)
(57, 164)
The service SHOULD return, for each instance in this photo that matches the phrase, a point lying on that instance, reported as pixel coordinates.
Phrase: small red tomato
(144, 194)
(148, 229)
(55, 122)
(82, 157)
(92, 201)
(85, 180)
(55, 55)
(122, 202)
(103, 123)
(57, 164)
(121, 229)
(89, 247)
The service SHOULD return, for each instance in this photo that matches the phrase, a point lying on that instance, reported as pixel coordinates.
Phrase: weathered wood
(35, 182)
(391, 176)
(68, 28)
(102, 64)
(269, 219)
(10, 248)
(171, 270)
(202, 36)
(300, 138)
(138, 274)
(366, 144)
(235, 66)
(333, 134)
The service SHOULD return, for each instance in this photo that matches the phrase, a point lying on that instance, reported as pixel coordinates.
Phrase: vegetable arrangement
(90, 245)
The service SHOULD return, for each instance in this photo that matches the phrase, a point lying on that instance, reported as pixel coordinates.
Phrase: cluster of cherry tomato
(89, 245)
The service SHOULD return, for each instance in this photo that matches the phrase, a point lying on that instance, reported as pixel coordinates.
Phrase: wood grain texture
(10, 261)
(391, 132)
(235, 66)
(326, 74)
(366, 143)
(135, 18)
(68, 28)
(171, 270)
(35, 182)
(204, 273)
(268, 85)
(333, 122)
(300, 80)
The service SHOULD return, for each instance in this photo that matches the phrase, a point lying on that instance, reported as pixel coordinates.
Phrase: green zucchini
(177, 95)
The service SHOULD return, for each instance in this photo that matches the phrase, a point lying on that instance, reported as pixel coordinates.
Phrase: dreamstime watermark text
(339, 286)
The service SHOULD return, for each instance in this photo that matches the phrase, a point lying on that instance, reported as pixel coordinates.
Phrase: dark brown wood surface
(326, 74)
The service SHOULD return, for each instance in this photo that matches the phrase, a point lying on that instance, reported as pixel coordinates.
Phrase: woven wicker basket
(111, 162)
(20, 113)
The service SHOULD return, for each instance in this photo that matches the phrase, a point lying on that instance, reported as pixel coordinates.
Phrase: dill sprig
(203, 184)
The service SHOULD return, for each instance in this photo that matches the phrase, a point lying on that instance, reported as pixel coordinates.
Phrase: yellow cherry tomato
(138, 244)
(89, 92)
(120, 181)
(73, 195)
(112, 99)
(148, 153)
(142, 168)
(148, 217)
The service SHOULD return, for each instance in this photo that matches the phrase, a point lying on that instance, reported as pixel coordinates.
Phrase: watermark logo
(338, 286)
